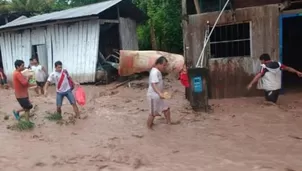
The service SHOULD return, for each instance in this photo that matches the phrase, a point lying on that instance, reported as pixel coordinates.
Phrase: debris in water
(175, 151)
(137, 136)
(40, 164)
(136, 163)
(102, 167)
(295, 137)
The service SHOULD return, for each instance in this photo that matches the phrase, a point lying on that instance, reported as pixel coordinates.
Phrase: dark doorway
(292, 51)
(1, 62)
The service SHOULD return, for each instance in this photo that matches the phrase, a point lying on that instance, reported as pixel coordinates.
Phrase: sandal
(16, 114)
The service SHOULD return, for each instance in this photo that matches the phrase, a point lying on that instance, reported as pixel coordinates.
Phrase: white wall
(75, 45)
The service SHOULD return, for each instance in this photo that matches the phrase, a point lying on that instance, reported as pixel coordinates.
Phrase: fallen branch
(121, 84)
(295, 137)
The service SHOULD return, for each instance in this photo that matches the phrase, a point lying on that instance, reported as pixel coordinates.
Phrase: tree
(76, 3)
(163, 26)
(4, 6)
(32, 6)
(64, 4)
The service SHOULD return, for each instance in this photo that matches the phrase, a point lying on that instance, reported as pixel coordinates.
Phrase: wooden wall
(128, 36)
(230, 76)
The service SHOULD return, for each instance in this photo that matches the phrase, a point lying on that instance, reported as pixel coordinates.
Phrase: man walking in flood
(64, 87)
(155, 93)
(21, 85)
(270, 77)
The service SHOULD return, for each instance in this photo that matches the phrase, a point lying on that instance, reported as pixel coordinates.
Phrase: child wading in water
(155, 92)
(40, 74)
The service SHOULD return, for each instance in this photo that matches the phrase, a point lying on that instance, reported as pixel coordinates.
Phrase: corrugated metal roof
(84, 11)
(18, 19)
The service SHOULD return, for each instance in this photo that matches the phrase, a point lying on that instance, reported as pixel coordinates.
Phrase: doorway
(290, 51)
(40, 52)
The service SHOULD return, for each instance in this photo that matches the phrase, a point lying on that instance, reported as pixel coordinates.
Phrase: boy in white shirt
(40, 74)
(155, 92)
(64, 87)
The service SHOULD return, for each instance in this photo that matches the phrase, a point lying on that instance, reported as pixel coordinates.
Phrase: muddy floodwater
(240, 135)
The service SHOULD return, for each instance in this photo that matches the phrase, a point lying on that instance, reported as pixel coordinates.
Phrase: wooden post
(119, 27)
(185, 34)
(184, 24)
(197, 6)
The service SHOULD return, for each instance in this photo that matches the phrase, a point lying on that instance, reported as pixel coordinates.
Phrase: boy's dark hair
(161, 60)
(18, 63)
(58, 63)
(265, 57)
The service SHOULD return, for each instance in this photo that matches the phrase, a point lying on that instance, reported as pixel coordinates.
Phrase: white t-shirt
(55, 77)
(155, 77)
(39, 73)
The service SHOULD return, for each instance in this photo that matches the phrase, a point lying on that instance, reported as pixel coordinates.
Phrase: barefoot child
(21, 86)
(155, 93)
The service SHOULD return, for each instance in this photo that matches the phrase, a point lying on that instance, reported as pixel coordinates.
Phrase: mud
(241, 134)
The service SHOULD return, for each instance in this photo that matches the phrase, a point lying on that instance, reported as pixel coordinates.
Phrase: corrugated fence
(76, 45)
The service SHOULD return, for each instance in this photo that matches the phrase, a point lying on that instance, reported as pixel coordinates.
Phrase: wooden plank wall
(229, 76)
(128, 36)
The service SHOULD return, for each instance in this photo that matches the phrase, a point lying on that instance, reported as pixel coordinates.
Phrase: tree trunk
(197, 6)
(153, 36)
(185, 50)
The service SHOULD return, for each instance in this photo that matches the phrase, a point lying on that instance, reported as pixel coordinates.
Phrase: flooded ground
(241, 135)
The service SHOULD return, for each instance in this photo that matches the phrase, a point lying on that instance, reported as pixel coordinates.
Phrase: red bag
(80, 96)
(183, 76)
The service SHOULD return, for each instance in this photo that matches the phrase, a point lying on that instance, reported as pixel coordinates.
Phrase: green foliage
(23, 126)
(165, 20)
(33, 6)
(60, 5)
(54, 116)
(4, 6)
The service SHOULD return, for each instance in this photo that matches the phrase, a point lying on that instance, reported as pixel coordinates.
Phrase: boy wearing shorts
(64, 87)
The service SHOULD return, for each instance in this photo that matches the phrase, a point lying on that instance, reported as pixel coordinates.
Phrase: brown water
(241, 135)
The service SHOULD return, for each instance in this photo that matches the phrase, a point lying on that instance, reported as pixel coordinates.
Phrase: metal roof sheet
(83, 11)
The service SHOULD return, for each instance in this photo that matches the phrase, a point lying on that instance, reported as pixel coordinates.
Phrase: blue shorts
(68, 94)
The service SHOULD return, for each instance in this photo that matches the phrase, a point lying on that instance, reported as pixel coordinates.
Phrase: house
(6, 17)
(74, 36)
(246, 29)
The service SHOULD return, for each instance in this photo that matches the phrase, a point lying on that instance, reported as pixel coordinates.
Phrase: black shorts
(271, 96)
(40, 84)
(25, 103)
